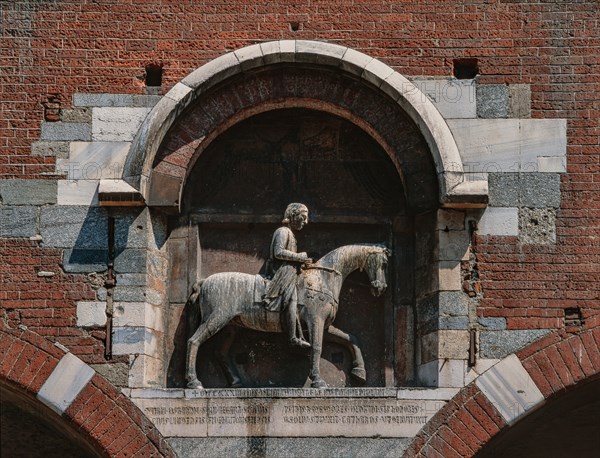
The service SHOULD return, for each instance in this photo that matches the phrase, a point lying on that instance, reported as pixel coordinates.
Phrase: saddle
(305, 292)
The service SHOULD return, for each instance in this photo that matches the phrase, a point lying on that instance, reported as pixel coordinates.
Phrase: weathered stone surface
(442, 373)
(454, 322)
(448, 276)
(85, 260)
(129, 293)
(18, 221)
(91, 314)
(453, 303)
(138, 314)
(519, 101)
(116, 373)
(57, 149)
(131, 279)
(503, 189)
(130, 260)
(552, 164)
(94, 161)
(498, 344)
(493, 323)
(77, 192)
(453, 98)
(27, 192)
(499, 221)
(74, 227)
(492, 100)
(288, 447)
(288, 417)
(131, 229)
(76, 115)
(537, 225)
(111, 124)
(66, 131)
(510, 388)
(535, 190)
(115, 100)
(130, 340)
(507, 145)
(540, 190)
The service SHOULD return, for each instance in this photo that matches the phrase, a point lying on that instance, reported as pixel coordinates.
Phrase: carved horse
(229, 298)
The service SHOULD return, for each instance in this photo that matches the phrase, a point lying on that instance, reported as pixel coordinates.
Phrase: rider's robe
(285, 263)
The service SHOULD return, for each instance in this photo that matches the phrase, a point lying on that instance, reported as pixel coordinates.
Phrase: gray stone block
(519, 101)
(82, 260)
(102, 100)
(18, 221)
(77, 114)
(56, 149)
(454, 322)
(130, 260)
(537, 226)
(28, 192)
(492, 100)
(498, 344)
(540, 190)
(288, 447)
(129, 294)
(115, 100)
(116, 373)
(131, 229)
(453, 303)
(131, 279)
(493, 323)
(66, 131)
(116, 124)
(535, 190)
(503, 189)
(74, 227)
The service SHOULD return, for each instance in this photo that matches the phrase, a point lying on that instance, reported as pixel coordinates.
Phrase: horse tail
(192, 309)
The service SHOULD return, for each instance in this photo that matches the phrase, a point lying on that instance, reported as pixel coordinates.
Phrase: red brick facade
(52, 50)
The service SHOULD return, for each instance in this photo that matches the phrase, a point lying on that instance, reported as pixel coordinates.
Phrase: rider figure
(282, 292)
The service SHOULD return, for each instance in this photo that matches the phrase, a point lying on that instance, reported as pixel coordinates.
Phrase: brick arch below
(443, 153)
(544, 370)
(76, 398)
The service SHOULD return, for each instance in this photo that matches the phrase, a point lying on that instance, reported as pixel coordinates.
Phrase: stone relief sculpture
(283, 267)
(306, 293)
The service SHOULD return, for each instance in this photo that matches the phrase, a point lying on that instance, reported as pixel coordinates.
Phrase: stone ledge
(438, 394)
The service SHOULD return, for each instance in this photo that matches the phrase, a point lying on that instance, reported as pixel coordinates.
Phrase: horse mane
(331, 258)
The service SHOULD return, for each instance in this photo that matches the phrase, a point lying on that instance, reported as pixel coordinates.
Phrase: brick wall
(52, 50)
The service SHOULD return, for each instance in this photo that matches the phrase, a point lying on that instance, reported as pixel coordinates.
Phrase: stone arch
(540, 372)
(452, 189)
(82, 403)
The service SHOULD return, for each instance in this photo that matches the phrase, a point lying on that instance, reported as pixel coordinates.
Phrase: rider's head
(296, 215)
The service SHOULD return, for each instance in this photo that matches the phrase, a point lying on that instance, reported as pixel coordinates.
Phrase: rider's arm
(280, 242)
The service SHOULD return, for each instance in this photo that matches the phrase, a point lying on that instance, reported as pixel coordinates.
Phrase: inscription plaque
(288, 417)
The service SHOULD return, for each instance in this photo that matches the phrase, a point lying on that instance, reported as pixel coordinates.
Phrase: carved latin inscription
(289, 417)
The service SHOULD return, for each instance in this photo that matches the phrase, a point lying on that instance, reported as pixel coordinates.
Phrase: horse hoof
(319, 384)
(360, 374)
(195, 385)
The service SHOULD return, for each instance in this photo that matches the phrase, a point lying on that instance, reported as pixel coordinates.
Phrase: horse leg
(225, 359)
(315, 331)
(351, 343)
(205, 331)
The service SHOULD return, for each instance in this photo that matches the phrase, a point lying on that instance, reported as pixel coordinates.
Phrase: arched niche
(192, 145)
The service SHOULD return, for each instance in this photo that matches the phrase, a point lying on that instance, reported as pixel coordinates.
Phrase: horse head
(376, 267)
